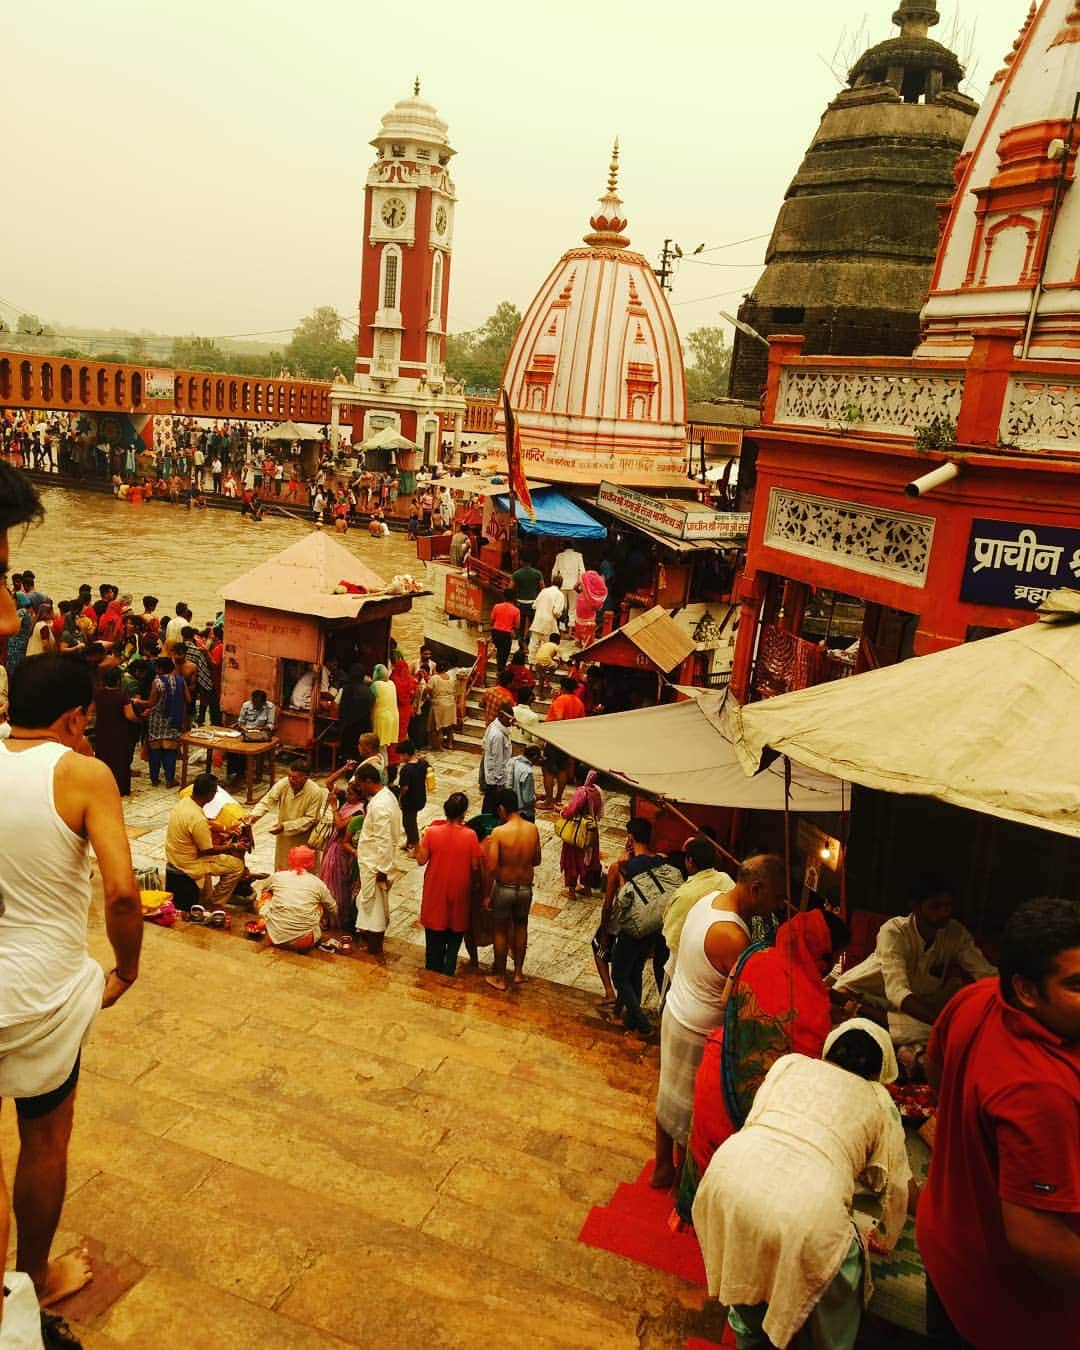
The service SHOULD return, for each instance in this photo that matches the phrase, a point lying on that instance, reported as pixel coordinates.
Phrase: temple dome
(850, 258)
(1015, 204)
(595, 375)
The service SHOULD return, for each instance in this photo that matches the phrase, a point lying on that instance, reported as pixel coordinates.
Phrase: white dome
(413, 119)
(1002, 221)
(595, 375)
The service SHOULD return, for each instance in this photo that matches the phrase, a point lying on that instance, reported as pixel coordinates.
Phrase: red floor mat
(634, 1224)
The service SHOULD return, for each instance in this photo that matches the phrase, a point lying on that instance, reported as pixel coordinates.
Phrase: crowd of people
(772, 1105)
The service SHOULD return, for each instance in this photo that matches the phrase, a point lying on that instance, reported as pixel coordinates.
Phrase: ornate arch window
(390, 277)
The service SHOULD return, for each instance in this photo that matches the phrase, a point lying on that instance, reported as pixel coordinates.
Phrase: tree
(479, 357)
(28, 323)
(197, 353)
(707, 372)
(317, 346)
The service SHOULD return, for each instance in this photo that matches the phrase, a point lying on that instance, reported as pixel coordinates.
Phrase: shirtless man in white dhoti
(54, 806)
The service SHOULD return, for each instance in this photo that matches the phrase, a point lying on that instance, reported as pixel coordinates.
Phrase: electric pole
(668, 254)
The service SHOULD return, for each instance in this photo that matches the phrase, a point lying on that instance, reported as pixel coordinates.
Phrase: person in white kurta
(920, 960)
(568, 567)
(376, 856)
(773, 1212)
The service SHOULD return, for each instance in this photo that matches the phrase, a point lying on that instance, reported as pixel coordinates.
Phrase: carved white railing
(1041, 413)
(896, 403)
(892, 544)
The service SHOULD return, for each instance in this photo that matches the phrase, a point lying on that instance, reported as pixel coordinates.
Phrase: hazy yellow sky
(199, 167)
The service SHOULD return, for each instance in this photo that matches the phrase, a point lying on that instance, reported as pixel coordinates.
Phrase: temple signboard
(1015, 565)
(677, 520)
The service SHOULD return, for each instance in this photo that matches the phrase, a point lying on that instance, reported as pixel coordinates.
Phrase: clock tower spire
(400, 376)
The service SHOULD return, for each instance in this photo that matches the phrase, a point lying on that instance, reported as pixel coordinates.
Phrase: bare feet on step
(65, 1276)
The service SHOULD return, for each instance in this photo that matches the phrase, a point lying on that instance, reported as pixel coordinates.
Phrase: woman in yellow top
(384, 707)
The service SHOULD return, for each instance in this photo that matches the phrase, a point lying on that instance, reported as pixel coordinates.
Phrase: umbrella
(990, 726)
(289, 431)
(389, 438)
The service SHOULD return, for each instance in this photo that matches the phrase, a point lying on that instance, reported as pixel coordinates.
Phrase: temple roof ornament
(1017, 44)
(609, 223)
(913, 63)
(1070, 30)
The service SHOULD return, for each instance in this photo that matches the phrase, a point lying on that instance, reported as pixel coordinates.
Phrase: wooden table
(209, 739)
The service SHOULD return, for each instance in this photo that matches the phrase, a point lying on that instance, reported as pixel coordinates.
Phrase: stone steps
(255, 1126)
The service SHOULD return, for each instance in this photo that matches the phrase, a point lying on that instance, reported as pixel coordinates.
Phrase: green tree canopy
(707, 370)
(479, 357)
(317, 346)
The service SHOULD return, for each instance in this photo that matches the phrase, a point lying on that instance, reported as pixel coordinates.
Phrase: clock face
(440, 220)
(394, 213)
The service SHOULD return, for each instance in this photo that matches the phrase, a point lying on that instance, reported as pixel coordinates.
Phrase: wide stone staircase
(317, 1151)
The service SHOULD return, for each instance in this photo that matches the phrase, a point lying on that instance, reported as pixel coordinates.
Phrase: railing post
(782, 347)
(985, 387)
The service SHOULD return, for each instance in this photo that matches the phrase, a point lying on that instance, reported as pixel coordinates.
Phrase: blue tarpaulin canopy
(555, 515)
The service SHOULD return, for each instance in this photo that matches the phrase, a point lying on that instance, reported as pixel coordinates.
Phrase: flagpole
(510, 433)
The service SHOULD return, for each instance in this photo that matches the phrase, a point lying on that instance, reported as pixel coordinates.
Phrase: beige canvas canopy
(993, 725)
(302, 580)
(683, 752)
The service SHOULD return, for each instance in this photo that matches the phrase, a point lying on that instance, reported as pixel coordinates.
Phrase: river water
(176, 554)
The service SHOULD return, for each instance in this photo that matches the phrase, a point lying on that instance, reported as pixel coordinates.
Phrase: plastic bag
(21, 1327)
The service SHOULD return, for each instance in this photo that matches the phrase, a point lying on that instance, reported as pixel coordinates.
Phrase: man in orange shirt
(566, 705)
(556, 765)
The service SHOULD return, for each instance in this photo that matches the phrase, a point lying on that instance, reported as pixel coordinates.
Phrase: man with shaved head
(715, 933)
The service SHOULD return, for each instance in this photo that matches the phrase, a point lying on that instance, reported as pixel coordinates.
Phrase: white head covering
(890, 1070)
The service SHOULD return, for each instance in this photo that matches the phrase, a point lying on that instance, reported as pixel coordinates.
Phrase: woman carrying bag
(579, 829)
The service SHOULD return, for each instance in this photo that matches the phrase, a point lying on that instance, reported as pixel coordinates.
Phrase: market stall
(967, 759)
(302, 616)
(637, 661)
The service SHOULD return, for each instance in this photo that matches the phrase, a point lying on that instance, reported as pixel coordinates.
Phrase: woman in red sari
(405, 689)
(778, 1005)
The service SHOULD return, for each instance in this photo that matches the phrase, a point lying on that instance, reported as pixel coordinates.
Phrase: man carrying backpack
(636, 917)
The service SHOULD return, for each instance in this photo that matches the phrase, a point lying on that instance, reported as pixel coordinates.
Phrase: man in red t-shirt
(999, 1218)
(452, 882)
(505, 618)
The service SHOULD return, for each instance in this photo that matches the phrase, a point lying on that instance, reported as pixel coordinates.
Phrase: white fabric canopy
(993, 725)
(682, 751)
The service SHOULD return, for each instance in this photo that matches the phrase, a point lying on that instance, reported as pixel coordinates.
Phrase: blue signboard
(1016, 566)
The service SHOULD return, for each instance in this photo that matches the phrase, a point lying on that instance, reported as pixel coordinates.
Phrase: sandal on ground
(329, 945)
(197, 914)
(345, 943)
(218, 919)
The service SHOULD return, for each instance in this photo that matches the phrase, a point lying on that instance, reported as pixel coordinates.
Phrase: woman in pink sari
(339, 859)
(592, 593)
(580, 864)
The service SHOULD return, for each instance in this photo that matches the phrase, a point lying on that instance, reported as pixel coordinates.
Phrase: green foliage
(478, 358)
(197, 353)
(938, 434)
(707, 370)
(28, 323)
(317, 346)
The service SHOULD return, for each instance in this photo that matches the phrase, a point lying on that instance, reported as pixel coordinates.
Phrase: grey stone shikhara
(850, 257)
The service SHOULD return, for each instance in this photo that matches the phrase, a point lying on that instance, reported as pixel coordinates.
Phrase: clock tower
(400, 377)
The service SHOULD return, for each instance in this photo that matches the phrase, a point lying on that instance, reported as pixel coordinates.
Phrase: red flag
(515, 472)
